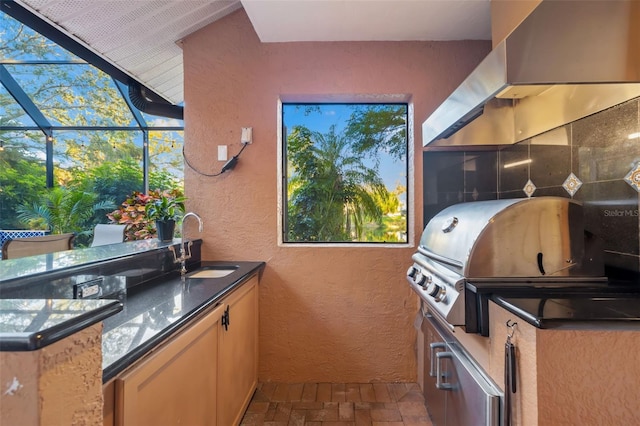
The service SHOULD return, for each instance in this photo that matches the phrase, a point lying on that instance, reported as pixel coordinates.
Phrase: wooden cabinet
(176, 384)
(238, 354)
(205, 375)
(108, 409)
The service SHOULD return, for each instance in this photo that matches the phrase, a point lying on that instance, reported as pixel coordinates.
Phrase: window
(344, 173)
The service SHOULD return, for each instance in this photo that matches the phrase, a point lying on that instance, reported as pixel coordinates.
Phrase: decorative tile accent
(572, 184)
(633, 177)
(529, 188)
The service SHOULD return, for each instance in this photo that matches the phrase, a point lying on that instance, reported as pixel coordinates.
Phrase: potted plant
(164, 210)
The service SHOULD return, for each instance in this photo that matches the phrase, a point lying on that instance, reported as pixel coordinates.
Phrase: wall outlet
(247, 135)
(222, 153)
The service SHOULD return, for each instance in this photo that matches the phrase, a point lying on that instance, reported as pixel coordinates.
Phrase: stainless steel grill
(470, 249)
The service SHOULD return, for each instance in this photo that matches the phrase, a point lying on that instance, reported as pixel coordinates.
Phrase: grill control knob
(412, 271)
(420, 279)
(426, 281)
(439, 293)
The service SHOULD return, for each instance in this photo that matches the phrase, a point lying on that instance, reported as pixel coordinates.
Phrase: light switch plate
(222, 153)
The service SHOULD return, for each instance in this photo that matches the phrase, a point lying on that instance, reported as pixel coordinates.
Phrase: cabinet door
(177, 383)
(238, 354)
(109, 407)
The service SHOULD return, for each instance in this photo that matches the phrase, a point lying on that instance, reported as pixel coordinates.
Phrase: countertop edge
(34, 340)
(566, 324)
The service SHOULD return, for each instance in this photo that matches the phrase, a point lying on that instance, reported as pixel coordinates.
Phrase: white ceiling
(140, 36)
(363, 20)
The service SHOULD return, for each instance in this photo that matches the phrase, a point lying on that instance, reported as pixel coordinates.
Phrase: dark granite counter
(114, 268)
(576, 311)
(45, 264)
(154, 311)
(27, 325)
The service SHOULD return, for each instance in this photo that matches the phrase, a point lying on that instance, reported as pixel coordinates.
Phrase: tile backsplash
(594, 157)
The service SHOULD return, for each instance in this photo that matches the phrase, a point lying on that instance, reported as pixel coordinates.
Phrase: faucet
(185, 253)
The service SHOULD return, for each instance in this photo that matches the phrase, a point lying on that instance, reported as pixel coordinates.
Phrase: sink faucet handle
(187, 253)
(172, 249)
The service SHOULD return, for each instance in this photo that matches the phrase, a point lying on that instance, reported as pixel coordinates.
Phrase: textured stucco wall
(60, 384)
(326, 314)
(589, 377)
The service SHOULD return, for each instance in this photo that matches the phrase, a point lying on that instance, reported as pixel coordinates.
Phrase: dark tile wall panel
(550, 165)
(452, 177)
(513, 178)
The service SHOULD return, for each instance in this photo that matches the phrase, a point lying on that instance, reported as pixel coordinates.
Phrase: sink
(214, 272)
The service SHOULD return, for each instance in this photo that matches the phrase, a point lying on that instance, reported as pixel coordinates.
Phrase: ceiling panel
(335, 20)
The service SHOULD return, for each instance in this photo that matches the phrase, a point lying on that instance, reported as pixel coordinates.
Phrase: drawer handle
(439, 374)
(432, 358)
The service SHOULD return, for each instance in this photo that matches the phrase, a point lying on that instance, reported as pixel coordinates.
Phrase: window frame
(282, 167)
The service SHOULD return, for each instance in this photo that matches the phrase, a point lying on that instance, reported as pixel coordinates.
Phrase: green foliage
(168, 205)
(374, 128)
(112, 180)
(164, 180)
(22, 180)
(63, 210)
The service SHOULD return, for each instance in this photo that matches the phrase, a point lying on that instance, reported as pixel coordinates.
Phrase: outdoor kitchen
(514, 298)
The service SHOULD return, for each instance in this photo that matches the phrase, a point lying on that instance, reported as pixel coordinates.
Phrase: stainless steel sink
(214, 272)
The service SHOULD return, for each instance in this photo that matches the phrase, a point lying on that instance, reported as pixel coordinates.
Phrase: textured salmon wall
(589, 377)
(326, 313)
(60, 384)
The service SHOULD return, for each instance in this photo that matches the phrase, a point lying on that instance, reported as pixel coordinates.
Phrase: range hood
(566, 60)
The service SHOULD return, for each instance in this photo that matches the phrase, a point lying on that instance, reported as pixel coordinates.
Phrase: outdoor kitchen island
(568, 371)
(176, 339)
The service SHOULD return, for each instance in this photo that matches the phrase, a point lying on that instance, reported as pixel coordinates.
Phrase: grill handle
(440, 258)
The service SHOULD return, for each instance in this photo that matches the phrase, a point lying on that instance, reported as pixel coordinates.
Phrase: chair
(22, 247)
(107, 234)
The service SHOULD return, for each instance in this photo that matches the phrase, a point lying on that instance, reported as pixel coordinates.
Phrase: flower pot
(165, 229)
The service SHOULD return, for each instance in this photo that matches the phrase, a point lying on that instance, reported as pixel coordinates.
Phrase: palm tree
(331, 192)
(64, 210)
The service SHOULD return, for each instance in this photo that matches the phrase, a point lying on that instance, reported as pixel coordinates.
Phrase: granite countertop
(154, 311)
(579, 310)
(30, 324)
(13, 269)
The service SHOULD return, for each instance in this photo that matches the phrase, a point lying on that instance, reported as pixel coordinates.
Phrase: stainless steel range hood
(566, 60)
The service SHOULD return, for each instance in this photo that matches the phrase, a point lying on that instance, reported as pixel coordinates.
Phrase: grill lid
(530, 237)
